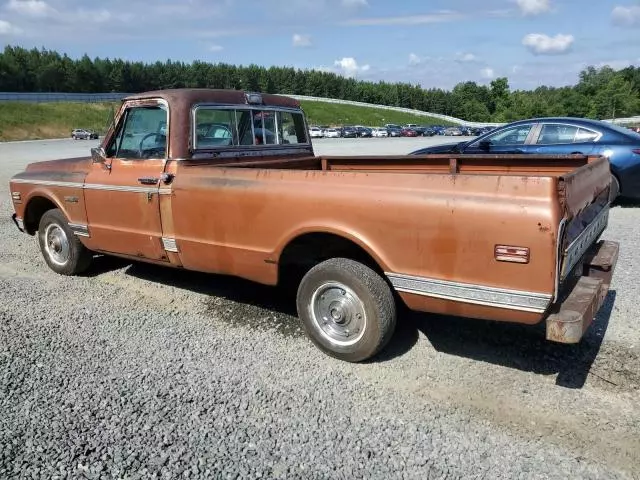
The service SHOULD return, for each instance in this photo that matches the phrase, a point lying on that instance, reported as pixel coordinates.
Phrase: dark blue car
(563, 135)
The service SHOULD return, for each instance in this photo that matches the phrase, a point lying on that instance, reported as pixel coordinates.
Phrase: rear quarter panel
(437, 226)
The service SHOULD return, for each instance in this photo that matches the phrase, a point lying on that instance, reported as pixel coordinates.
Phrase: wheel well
(306, 251)
(35, 209)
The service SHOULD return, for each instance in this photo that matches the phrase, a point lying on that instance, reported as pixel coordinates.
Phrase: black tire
(615, 189)
(357, 290)
(61, 249)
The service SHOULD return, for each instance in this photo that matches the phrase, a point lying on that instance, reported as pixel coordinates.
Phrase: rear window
(216, 127)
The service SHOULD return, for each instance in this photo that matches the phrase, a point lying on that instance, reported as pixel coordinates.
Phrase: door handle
(148, 180)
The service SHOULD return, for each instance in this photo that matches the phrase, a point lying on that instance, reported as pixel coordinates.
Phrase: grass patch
(34, 121)
(334, 114)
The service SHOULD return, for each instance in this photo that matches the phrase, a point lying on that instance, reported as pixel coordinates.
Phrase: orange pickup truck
(227, 182)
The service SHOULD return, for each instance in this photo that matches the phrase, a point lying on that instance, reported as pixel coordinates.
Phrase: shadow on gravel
(626, 203)
(104, 264)
(248, 304)
(509, 345)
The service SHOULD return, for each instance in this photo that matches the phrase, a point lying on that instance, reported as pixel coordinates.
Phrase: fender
(338, 230)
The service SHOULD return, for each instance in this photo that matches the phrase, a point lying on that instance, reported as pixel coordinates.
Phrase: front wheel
(61, 249)
(347, 309)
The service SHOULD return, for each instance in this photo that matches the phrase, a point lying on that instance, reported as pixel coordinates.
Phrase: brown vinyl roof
(213, 95)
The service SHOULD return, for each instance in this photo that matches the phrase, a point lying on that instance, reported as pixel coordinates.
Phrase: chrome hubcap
(56, 244)
(338, 313)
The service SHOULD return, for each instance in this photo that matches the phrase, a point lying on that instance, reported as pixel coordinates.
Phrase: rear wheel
(347, 309)
(60, 247)
(615, 188)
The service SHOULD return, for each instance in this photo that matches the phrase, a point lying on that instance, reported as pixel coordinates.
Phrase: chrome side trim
(48, 183)
(120, 188)
(169, 244)
(579, 246)
(80, 229)
(91, 186)
(471, 293)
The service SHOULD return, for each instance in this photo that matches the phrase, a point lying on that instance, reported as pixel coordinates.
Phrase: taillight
(508, 253)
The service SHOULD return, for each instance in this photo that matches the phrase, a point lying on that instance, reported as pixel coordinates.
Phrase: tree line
(600, 93)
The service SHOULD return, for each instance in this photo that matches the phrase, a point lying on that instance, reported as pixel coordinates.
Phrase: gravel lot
(141, 372)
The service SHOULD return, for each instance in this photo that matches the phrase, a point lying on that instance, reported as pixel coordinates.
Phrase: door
(511, 140)
(564, 139)
(121, 195)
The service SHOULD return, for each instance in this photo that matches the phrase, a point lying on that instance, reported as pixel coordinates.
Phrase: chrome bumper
(571, 317)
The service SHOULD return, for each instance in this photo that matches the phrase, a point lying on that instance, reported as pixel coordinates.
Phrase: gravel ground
(137, 371)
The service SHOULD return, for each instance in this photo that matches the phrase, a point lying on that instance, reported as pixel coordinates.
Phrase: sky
(432, 43)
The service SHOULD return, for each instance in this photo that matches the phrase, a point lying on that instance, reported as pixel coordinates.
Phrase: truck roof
(214, 95)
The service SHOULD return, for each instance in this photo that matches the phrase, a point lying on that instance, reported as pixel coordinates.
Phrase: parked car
(408, 132)
(394, 131)
(315, 132)
(363, 132)
(563, 135)
(332, 133)
(353, 237)
(379, 132)
(83, 134)
(453, 131)
(349, 131)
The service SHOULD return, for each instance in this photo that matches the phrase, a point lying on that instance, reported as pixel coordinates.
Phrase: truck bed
(530, 165)
(578, 176)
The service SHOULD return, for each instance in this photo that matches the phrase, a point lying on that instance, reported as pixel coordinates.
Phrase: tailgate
(584, 199)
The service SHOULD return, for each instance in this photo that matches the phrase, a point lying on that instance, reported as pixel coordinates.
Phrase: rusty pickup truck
(227, 182)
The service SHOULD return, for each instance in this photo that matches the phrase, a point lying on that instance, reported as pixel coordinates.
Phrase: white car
(315, 132)
(379, 132)
(332, 133)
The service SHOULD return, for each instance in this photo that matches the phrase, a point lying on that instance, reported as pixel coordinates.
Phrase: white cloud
(299, 40)
(487, 73)
(8, 29)
(541, 44)
(215, 48)
(33, 8)
(414, 59)
(626, 16)
(348, 67)
(533, 7)
(465, 57)
(438, 17)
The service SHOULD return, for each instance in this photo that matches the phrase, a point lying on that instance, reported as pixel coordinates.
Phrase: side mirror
(485, 145)
(98, 155)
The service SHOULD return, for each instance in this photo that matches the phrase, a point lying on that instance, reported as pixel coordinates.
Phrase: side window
(584, 135)
(264, 127)
(552, 134)
(215, 127)
(291, 128)
(511, 136)
(141, 134)
(245, 127)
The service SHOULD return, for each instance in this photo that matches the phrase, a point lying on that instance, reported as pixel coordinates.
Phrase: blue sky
(434, 43)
